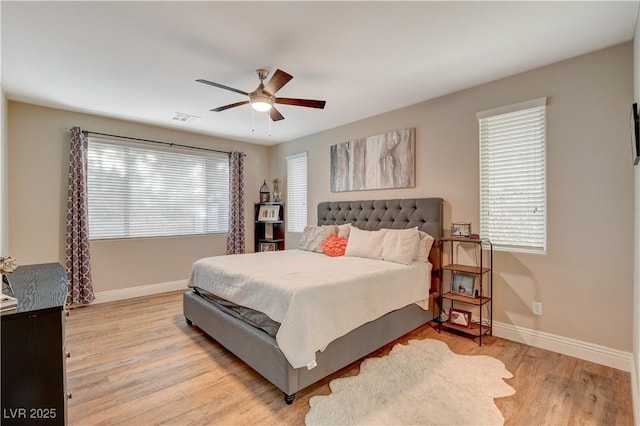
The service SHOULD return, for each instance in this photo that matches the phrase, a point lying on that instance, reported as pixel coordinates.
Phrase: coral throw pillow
(334, 246)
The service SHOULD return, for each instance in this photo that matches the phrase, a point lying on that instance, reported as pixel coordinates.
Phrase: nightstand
(470, 287)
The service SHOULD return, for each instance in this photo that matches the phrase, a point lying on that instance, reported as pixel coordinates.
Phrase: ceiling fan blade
(309, 103)
(222, 108)
(279, 79)
(275, 114)
(221, 86)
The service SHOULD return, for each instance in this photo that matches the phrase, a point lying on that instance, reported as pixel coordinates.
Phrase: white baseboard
(576, 348)
(143, 290)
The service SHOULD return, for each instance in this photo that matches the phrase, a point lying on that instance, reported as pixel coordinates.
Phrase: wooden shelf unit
(482, 273)
(276, 237)
(475, 329)
(477, 301)
(469, 269)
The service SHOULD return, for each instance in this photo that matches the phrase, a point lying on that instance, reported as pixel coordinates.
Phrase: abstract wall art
(382, 161)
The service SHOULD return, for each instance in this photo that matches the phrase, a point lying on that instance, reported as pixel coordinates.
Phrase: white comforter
(315, 298)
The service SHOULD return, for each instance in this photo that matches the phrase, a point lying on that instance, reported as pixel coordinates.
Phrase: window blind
(513, 176)
(135, 191)
(297, 192)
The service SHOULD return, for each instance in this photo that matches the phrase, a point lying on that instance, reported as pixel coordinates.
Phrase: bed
(264, 348)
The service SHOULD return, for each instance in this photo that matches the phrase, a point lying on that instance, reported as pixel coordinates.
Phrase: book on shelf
(7, 303)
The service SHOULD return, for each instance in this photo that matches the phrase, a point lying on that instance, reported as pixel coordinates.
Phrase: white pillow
(364, 243)
(400, 245)
(314, 236)
(424, 248)
(343, 230)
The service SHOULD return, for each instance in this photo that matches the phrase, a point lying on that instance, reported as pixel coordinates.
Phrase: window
(513, 196)
(136, 191)
(297, 192)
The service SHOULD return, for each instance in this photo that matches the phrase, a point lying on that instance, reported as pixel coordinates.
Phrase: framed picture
(634, 122)
(268, 247)
(381, 161)
(269, 213)
(460, 229)
(460, 317)
(463, 284)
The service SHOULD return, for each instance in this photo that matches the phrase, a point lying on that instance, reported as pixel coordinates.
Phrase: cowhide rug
(422, 383)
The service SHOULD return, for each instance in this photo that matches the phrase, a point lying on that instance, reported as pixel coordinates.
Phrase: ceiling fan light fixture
(263, 98)
(261, 103)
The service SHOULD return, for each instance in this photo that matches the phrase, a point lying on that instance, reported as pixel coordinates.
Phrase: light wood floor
(137, 362)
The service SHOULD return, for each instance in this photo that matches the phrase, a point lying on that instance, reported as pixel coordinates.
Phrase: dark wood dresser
(33, 353)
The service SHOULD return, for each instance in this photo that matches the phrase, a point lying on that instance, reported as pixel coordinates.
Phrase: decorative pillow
(400, 245)
(364, 243)
(343, 230)
(314, 236)
(334, 246)
(424, 248)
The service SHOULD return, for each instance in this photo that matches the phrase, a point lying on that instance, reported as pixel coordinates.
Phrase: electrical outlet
(536, 307)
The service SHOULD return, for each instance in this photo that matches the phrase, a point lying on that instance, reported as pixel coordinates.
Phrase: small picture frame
(265, 246)
(269, 213)
(460, 317)
(463, 284)
(460, 229)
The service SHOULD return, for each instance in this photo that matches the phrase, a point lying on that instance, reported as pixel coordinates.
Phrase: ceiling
(138, 60)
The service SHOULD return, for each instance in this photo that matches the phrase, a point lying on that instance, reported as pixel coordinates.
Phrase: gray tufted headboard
(425, 213)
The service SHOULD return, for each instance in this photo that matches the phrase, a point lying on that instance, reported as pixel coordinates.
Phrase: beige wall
(38, 159)
(585, 280)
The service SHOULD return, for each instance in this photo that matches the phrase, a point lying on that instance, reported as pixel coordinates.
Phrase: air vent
(185, 118)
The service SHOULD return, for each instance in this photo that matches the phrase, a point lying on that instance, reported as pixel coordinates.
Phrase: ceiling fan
(263, 98)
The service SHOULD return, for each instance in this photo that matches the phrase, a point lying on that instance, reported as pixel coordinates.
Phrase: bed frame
(260, 351)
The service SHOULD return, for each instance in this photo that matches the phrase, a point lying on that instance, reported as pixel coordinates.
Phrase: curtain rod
(170, 144)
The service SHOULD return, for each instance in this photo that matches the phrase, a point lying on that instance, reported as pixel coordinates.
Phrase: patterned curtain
(78, 265)
(235, 238)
